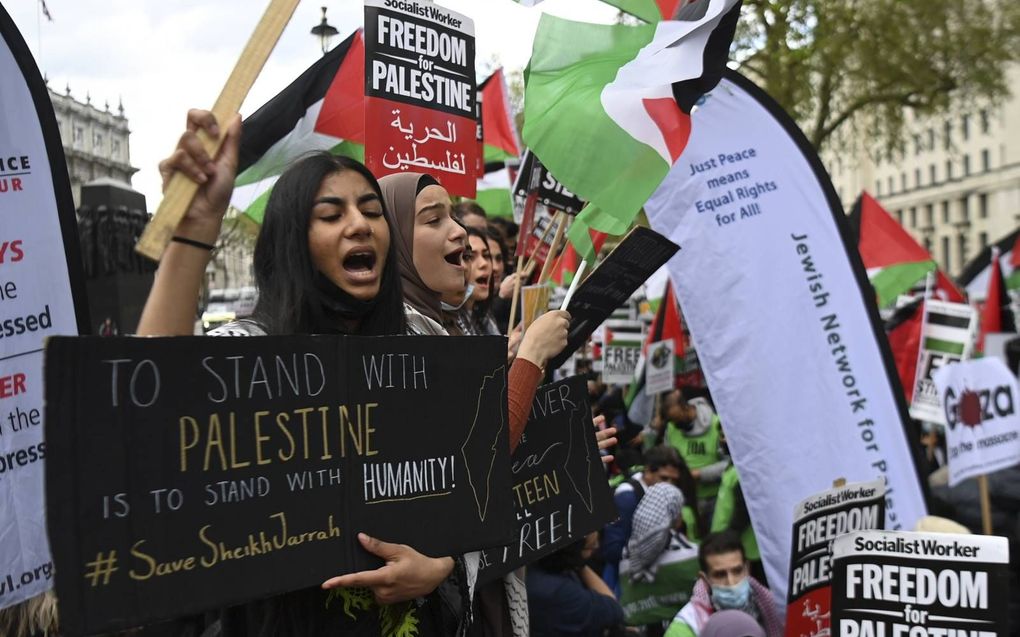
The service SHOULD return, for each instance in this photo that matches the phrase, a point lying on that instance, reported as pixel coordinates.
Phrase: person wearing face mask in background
(725, 583)
(694, 430)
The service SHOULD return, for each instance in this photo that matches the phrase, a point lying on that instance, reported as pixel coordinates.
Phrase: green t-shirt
(698, 451)
(725, 505)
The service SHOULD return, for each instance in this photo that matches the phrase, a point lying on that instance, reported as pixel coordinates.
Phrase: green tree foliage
(864, 68)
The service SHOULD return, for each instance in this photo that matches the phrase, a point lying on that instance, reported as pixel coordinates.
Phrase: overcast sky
(163, 56)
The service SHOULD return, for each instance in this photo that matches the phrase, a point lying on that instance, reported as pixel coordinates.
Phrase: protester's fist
(545, 338)
(506, 287)
(214, 176)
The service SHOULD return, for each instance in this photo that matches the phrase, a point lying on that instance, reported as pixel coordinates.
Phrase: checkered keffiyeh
(654, 518)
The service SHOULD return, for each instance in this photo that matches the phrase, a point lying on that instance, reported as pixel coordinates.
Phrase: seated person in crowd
(662, 464)
(693, 429)
(725, 583)
(566, 597)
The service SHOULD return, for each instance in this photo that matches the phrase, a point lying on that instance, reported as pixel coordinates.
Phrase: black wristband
(193, 243)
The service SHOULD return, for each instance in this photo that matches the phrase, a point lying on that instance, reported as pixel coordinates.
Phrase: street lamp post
(324, 31)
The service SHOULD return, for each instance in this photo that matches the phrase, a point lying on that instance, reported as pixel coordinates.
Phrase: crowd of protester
(341, 252)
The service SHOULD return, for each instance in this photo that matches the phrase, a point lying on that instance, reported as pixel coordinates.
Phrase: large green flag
(607, 107)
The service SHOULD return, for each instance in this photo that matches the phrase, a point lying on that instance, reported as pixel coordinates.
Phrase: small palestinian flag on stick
(323, 109)
(894, 261)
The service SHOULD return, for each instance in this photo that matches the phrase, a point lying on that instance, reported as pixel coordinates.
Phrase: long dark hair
(480, 310)
(290, 300)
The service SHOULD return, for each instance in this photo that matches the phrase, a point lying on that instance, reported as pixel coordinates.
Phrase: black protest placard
(551, 192)
(895, 584)
(559, 488)
(185, 474)
(817, 521)
(610, 285)
(420, 106)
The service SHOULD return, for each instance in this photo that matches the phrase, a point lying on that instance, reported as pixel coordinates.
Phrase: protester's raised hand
(545, 338)
(407, 574)
(606, 437)
(506, 286)
(214, 176)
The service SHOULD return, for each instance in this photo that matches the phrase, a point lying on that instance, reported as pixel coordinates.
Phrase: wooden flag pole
(516, 296)
(181, 190)
(986, 504)
(561, 225)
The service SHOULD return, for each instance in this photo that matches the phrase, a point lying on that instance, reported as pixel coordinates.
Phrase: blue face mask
(732, 597)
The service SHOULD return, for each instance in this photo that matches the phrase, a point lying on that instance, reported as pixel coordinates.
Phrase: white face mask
(453, 308)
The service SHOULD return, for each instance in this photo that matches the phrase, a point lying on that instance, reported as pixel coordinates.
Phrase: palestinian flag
(610, 117)
(494, 190)
(566, 266)
(498, 129)
(323, 109)
(975, 275)
(996, 313)
(895, 262)
(649, 10)
(499, 145)
(903, 330)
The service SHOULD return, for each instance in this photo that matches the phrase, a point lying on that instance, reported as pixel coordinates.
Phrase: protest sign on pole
(660, 368)
(947, 336)
(191, 473)
(787, 332)
(979, 400)
(621, 352)
(887, 584)
(420, 86)
(560, 492)
(550, 191)
(817, 521)
(42, 293)
(611, 284)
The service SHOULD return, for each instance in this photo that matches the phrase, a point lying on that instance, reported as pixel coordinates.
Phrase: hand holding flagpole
(181, 190)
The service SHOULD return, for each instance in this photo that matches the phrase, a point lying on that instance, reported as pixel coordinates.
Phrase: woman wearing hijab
(325, 263)
(430, 250)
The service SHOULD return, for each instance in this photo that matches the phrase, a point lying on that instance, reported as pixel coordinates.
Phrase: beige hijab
(399, 194)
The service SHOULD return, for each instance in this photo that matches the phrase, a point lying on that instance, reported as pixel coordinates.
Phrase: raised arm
(173, 300)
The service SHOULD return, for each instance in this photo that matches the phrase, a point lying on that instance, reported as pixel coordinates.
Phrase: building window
(927, 245)
(966, 165)
(913, 217)
(985, 121)
(948, 133)
(965, 209)
(878, 187)
(79, 136)
(931, 174)
(949, 169)
(945, 252)
(983, 205)
(929, 216)
(986, 160)
(903, 181)
(945, 212)
(965, 127)
(97, 141)
(961, 241)
(115, 148)
(983, 238)
(892, 186)
(917, 144)
(899, 217)
(917, 178)
(931, 139)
